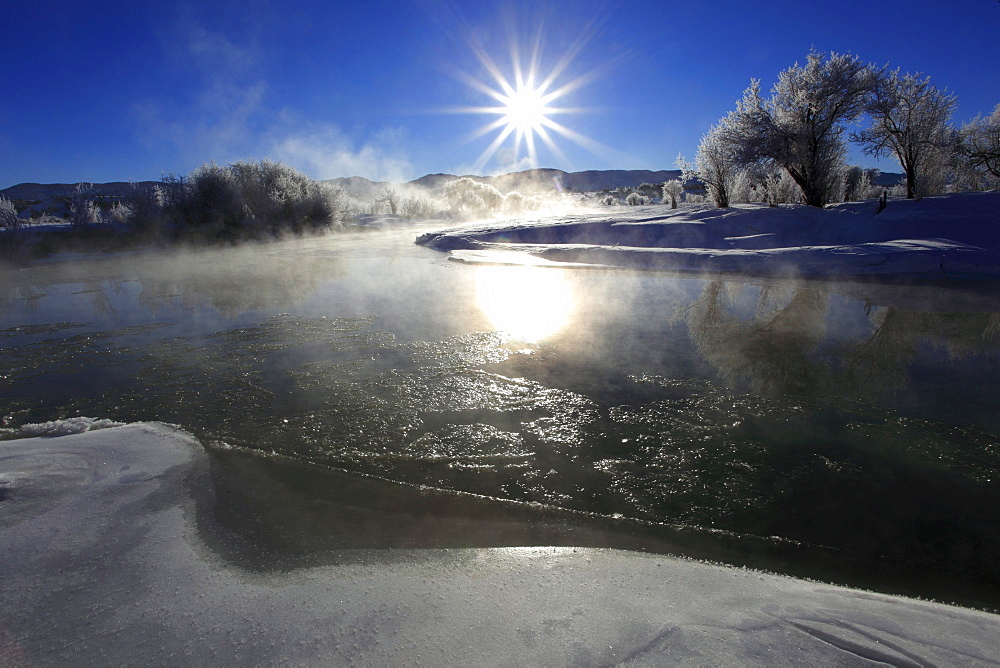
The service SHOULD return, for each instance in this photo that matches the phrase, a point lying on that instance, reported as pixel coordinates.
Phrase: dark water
(846, 432)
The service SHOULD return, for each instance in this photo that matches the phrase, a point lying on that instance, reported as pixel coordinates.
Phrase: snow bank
(76, 425)
(946, 237)
(106, 558)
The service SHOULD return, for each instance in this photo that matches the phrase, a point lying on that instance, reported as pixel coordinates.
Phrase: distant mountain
(888, 179)
(44, 191)
(545, 180)
(528, 181)
(359, 186)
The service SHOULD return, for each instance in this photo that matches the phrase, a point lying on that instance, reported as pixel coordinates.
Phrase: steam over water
(852, 426)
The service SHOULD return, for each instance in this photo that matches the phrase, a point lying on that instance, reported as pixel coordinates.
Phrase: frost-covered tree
(715, 164)
(416, 206)
(981, 142)
(119, 213)
(466, 194)
(8, 215)
(672, 191)
(859, 184)
(800, 126)
(514, 203)
(389, 199)
(766, 182)
(83, 210)
(968, 176)
(649, 190)
(781, 188)
(910, 122)
(250, 198)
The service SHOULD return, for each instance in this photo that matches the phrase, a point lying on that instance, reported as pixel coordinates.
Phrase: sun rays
(524, 100)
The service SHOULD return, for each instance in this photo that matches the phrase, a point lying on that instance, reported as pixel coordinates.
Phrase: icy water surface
(847, 432)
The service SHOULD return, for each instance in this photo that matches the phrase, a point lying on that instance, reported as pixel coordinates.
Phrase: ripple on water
(341, 392)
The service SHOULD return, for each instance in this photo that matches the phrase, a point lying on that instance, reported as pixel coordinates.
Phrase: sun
(526, 110)
(524, 100)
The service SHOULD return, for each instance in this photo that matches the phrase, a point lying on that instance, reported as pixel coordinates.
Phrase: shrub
(148, 205)
(859, 184)
(468, 195)
(672, 190)
(514, 203)
(83, 210)
(416, 206)
(9, 219)
(119, 213)
(253, 199)
(389, 199)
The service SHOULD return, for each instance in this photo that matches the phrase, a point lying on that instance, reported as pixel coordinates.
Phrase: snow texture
(76, 425)
(937, 238)
(106, 558)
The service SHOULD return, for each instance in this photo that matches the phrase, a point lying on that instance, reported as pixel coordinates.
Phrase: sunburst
(525, 103)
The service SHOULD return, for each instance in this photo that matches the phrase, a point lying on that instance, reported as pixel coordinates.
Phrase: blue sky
(104, 91)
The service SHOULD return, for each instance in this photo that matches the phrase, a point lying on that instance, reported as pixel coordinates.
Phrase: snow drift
(106, 558)
(937, 238)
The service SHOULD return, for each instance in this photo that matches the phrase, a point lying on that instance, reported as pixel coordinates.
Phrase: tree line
(794, 142)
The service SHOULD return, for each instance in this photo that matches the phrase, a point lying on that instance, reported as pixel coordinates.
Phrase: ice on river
(109, 555)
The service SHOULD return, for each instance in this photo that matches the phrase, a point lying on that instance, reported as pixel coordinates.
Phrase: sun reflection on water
(526, 303)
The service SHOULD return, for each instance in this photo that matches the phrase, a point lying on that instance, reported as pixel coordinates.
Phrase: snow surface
(76, 425)
(106, 558)
(945, 237)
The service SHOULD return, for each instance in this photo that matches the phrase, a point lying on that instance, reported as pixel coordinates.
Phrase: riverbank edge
(103, 561)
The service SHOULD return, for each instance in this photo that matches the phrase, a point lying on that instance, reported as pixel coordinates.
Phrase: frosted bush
(8, 215)
(418, 207)
(254, 198)
(468, 195)
(859, 184)
(782, 188)
(119, 213)
(148, 206)
(83, 210)
(742, 187)
(650, 191)
(514, 203)
(672, 191)
(389, 200)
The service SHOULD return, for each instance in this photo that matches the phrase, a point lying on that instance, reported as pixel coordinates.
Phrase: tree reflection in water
(783, 347)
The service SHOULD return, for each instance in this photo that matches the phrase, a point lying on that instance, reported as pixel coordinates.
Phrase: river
(391, 398)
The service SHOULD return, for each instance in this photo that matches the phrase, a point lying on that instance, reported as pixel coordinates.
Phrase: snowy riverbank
(108, 554)
(938, 238)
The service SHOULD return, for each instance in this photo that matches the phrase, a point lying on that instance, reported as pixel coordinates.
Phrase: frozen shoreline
(950, 237)
(106, 559)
